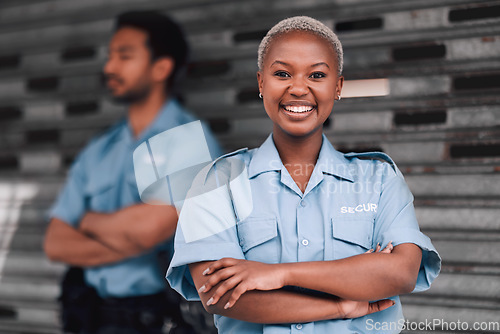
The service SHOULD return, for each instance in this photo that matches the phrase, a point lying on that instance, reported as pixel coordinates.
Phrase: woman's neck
(299, 155)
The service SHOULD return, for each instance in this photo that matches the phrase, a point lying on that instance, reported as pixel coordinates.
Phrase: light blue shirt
(102, 179)
(247, 206)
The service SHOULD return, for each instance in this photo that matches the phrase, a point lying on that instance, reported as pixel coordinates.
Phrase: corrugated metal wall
(440, 122)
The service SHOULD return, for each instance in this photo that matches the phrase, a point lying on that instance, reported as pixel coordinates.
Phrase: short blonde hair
(301, 23)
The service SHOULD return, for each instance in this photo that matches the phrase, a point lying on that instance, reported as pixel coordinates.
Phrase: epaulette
(380, 156)
(241, 150)
(227, 155)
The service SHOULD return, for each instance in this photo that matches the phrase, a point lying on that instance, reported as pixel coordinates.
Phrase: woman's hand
(354, 309)
(387, 250)
(242, 276)
(349, 309)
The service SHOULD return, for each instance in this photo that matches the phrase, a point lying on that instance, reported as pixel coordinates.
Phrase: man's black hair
(165, 38)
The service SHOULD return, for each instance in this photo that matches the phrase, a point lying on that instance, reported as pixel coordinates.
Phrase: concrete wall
(440, 122)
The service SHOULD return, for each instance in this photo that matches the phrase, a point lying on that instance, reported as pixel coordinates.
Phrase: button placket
(304, 235)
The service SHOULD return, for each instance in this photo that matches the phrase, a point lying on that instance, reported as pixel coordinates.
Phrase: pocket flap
(256, 231)
(98, 184)
(356, 231)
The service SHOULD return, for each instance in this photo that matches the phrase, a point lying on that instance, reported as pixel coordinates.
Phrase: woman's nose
(298, 87)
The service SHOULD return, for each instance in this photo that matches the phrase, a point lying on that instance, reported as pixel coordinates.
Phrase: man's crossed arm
(104, 238)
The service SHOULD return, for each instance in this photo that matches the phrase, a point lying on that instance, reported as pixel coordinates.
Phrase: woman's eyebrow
(279, 62)
(319, 64)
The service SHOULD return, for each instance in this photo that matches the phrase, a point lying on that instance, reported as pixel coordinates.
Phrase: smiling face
(299, 83)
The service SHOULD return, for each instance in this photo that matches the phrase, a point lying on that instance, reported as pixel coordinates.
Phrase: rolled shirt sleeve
(206, 231)
(396, 222)
(70, 204)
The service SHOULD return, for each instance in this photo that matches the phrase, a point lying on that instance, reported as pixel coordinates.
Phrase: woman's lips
(298, 108)
(297, 112)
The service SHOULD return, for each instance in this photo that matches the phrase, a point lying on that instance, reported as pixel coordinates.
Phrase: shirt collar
(330, 161)
(265, 159)
(167, 117)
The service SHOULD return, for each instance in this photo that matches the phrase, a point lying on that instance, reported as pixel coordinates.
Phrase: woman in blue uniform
(278, 239)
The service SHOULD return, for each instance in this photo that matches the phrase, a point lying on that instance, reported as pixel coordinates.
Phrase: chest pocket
(350, 237)
(101, 196)
(259, 240)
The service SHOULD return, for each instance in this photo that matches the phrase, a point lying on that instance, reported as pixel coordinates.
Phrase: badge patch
(367, 207)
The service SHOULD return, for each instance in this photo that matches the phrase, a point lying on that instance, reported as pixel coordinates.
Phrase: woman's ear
(259, 80)
(163, 68)
(338, 87)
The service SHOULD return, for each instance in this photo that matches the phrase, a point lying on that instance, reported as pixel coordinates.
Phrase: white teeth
(298, 109)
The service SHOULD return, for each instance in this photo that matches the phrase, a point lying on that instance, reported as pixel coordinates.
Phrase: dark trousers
(141, 314)
(84, 312)
(135, 315)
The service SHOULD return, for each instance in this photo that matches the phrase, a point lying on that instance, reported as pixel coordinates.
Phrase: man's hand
(110, 237)
(131, 230)
(64, 243)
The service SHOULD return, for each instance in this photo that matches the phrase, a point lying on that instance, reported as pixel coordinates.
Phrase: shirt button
(303, 203)
(305, 242)
(298, 326)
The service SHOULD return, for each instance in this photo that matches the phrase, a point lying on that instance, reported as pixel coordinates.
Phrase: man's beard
(135, 94)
